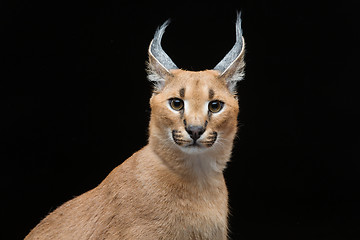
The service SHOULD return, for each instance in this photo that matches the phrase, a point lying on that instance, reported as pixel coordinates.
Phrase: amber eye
(215, 106)
(176, 104)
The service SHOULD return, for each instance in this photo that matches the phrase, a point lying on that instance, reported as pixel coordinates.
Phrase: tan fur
(165, 190)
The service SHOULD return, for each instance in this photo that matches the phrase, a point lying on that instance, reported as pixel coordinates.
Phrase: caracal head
(192, 111)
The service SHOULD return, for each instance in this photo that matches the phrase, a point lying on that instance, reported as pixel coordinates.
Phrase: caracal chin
(174, 187)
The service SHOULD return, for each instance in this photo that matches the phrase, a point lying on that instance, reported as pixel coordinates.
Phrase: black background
(75, 105)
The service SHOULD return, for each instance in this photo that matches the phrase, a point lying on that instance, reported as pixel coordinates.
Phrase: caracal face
(195, 111)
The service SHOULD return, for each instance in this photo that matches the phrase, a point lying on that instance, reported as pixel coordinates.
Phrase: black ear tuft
(232, 66)
(159, 64)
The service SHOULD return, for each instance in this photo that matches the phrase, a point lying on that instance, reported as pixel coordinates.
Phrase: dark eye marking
(182, 92)
(211, 94)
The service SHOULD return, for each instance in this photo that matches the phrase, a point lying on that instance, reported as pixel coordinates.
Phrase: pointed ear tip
(167, 22)
(161, 29)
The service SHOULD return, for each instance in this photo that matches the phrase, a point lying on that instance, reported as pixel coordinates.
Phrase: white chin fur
(193, 149)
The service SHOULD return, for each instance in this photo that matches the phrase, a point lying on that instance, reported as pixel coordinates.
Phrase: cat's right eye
(176, 104)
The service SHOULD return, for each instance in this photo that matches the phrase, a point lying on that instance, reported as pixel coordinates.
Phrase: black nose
(195, 131)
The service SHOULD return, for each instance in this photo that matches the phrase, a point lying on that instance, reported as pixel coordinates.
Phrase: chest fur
(208, 221)
(192, 214)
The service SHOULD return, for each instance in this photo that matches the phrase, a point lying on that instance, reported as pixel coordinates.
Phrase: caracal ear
(232, 66)
(159, 64)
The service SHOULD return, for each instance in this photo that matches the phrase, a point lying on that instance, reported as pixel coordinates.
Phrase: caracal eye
(176, 104)
(215, 106)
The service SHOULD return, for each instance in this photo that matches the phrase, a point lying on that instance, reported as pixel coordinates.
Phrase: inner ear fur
(156, 73)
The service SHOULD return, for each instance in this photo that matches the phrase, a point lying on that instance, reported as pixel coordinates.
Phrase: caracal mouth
(193, 146)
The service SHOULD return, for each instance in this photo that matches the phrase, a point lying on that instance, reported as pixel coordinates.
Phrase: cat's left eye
(215, 106)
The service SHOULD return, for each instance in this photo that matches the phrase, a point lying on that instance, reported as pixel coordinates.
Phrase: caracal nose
(195, 131)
